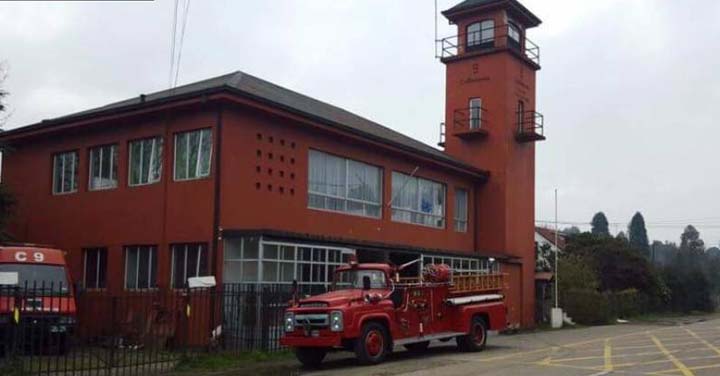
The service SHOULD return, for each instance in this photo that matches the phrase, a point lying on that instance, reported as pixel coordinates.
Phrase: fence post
(113, 335)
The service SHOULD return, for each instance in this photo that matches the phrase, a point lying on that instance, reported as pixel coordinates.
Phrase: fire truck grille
(313, 305)
(314, 321)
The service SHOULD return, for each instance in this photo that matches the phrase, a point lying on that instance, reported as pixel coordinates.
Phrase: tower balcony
(530, 127)
(487, 40)
(470, 123)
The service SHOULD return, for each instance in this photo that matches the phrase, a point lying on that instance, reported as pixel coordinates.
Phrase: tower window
(481, 34)
(475, 113)
(514, 36)
(520, 114)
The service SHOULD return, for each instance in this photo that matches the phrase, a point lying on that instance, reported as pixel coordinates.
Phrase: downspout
(216, 217)
(217, 233)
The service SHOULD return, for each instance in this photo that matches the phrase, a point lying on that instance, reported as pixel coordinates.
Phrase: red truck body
(36, 292)
(371, 318)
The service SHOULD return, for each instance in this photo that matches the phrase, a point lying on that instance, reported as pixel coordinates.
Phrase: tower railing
(469, 119)
(489, 39)
(530, 126)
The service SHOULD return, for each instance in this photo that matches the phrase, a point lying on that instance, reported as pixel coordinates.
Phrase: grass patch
(215, 362)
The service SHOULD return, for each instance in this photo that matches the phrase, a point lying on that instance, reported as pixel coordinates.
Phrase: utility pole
(557, 248)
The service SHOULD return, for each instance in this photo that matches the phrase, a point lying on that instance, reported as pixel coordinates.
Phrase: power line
(172, 45)
(182, 40)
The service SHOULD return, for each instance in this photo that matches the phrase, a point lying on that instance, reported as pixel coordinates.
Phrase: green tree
(638, 234)
(690, 242)
(600, 225)
(572, 230)
(621, 236)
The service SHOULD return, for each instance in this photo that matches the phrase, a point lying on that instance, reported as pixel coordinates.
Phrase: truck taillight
(289, 321)
(336, 321)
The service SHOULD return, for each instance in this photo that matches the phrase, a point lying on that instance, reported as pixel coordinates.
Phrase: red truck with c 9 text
(370, 309)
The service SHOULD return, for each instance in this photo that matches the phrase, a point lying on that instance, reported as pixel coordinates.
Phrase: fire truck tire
(417, 347)
(373, 344)
(476, 338)
(310, 356)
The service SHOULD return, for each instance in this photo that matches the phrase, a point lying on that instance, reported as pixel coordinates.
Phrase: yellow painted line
(555, 348)
(652, 345)
(678, 364)
(560, 360)
(608, 356)
(704, 342)
(633, 364)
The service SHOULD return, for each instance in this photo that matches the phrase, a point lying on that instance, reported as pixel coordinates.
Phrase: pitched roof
(518, 9)
(250, 86)
(549, 235)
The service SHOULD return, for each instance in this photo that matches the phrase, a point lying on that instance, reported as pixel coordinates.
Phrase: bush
(627, 303)
(587, 307)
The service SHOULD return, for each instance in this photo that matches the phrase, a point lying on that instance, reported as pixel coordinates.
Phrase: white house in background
(547, 236)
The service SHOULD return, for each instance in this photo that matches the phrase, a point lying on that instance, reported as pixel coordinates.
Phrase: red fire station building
(251, 182)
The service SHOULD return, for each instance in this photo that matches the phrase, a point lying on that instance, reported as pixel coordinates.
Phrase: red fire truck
(370, 309)
(37, 300)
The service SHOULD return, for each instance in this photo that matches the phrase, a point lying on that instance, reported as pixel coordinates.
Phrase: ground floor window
(140, 267)
(187, 261)
(94, 268)
(258, 260)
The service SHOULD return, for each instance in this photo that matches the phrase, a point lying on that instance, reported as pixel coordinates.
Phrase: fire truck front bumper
(320, 338)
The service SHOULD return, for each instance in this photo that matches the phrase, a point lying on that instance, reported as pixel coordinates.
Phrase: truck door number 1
(23, 256)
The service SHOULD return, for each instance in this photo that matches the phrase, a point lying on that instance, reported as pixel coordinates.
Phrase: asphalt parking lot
(684, 348)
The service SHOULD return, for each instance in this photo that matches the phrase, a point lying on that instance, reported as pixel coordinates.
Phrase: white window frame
(346, 197)
(514, 32)
(202, 252)
(98, 251)
(91, 160)
(73, 174)
(461, 224)
(199, 174)
(475, 113)
(156, 148)
(148, 248)
(416, 180)
(297, 262)
(485, 33)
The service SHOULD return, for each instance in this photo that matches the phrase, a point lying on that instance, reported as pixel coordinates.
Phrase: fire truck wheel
(310, 356)
(373, 344)
(477, 337)
(417, 347)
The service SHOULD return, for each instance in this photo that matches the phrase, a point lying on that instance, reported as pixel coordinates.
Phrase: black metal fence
(44, 330)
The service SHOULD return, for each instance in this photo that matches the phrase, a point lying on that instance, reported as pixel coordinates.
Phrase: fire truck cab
(370, 309)
(36, 296)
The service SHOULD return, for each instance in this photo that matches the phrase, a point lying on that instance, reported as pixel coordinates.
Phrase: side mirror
(366, 282)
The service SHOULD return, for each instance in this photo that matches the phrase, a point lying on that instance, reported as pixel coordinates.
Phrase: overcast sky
(629, 89)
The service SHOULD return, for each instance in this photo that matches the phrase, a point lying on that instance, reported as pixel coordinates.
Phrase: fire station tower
(491, 122)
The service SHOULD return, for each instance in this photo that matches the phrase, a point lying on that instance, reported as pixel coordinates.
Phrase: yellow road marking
(704, 342)
(653, 345)
(678, 364)
(633, 364)
(608, 356)
(560, 360)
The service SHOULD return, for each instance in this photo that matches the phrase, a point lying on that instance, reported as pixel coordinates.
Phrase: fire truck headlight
(336, 321)
(289, 321)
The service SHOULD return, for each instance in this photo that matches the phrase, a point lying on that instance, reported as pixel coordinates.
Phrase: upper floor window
(192, 154)
(65, 172)
(417, 200)
(344, 185)
(475, 108)
(145, 161)
(461, 210)
(140, 267)
(103, 167)
(94, 268)
(481, 34)
(188, 260)
(520, 114)
(514, 36)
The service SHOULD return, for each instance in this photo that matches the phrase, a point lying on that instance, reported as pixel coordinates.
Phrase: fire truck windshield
(353, 279)
(50, 279)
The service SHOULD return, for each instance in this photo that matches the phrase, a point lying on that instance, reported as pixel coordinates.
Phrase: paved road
(690, 348)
